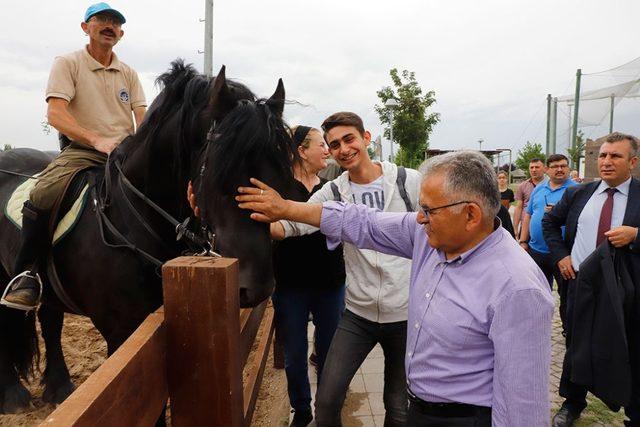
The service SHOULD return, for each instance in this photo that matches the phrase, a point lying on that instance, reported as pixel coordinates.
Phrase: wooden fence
(191, 351)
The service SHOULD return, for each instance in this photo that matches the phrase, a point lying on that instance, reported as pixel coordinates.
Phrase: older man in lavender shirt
(480, 310)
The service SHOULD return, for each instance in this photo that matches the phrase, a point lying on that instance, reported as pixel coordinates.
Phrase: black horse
(212, 131)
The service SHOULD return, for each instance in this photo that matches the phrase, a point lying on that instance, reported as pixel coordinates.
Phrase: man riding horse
(91, 95)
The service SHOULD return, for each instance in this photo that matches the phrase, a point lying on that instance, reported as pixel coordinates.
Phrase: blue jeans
(353, 341)
(292, 307)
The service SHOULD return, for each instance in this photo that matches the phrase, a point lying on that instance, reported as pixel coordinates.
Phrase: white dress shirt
(587, 231)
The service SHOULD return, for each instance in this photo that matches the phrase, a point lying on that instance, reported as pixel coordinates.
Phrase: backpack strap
(400, 181)
(336, 192)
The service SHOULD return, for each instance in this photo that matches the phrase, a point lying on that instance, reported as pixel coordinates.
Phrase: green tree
(574, 154)
(412, 121)
(6, 147)
(531, 150)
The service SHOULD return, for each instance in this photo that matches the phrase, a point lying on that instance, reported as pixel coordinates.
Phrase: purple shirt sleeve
(391, 233)
(521, 334)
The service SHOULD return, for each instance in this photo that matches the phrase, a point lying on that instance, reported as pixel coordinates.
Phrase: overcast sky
(491, 63)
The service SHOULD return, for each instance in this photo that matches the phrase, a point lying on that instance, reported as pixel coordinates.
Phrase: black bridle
(205, 242)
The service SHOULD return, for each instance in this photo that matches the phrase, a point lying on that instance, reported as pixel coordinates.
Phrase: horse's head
(249, 140)
(163, 155)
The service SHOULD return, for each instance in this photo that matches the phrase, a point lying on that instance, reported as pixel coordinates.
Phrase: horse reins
(24, 175)
(207, 244)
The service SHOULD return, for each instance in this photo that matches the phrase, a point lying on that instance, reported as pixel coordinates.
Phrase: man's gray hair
(468, 175)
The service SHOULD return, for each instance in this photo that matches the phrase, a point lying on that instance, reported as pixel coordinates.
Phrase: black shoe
(301, 417)
(23, 292)
(564, 418)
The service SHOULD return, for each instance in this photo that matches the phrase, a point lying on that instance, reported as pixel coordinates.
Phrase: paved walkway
(364, 406)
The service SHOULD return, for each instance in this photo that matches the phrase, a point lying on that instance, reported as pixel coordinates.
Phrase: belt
(447, 409)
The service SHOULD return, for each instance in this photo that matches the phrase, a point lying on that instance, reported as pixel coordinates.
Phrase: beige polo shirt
(100, 99)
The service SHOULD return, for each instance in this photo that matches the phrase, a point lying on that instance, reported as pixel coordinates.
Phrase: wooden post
(203, 337)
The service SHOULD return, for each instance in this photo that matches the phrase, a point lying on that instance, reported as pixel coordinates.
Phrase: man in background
(523, 193)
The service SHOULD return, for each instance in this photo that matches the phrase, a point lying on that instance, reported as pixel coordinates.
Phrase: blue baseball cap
(94, 9)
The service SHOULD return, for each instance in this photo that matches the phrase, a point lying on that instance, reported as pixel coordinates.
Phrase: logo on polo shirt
(123, 95)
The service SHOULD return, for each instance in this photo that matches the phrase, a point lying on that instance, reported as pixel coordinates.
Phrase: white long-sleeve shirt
(377, 285)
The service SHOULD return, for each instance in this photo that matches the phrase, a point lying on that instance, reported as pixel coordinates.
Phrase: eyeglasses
(107, 19)
(558, 167)
(426, 211)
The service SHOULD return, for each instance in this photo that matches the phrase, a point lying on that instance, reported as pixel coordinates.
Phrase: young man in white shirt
(376, 284)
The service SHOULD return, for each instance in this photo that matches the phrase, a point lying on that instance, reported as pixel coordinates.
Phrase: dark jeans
(576, 395)
(551, 271)
(416, 418)
(292, 308)
(351, 344)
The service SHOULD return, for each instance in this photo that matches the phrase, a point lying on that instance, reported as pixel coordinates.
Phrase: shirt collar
(95, 65)
(568, 182)
(622, 188)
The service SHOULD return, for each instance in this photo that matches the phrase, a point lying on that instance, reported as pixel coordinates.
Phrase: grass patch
(597, 413)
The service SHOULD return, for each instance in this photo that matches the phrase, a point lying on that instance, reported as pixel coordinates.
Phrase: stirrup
(22, 307)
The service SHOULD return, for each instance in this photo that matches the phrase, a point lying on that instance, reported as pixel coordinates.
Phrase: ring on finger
(261, 192)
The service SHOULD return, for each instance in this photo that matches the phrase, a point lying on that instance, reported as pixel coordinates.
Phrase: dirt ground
(85, 350)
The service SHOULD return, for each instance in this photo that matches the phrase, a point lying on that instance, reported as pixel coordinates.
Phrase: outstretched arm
(269, 206)
(388, 232)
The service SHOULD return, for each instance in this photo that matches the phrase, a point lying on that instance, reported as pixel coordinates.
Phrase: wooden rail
(192, 351)
(130, 388)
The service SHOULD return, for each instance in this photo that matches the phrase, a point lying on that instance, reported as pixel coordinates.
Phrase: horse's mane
(185, 93)
(248, 136)
(173, 83)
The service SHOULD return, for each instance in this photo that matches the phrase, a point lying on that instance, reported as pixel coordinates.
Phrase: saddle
(68, 211)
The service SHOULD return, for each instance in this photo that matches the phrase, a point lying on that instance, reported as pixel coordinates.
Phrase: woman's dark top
(305, 261)
(505, 218)
(507, 195)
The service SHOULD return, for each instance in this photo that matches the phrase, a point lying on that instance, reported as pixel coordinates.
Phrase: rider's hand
(267, 204)
(105, 145)
(191, 196)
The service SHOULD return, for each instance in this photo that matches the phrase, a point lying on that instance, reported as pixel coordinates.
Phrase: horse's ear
(277, 99)
(220, 99)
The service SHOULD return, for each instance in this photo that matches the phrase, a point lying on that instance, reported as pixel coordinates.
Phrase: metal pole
(548, 145)
(611, 114)
(509, 166)
(554, 127)
(391, 134)
(574, 136)
(208, 38)
(570, 125)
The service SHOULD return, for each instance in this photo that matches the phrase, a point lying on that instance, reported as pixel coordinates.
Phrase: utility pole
(613, 100)
(391, 105)
(208, 38)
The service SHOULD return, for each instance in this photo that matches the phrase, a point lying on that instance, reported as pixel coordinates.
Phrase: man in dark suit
(605, 209)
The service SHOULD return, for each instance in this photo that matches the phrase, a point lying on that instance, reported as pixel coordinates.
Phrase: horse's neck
(152, 177)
